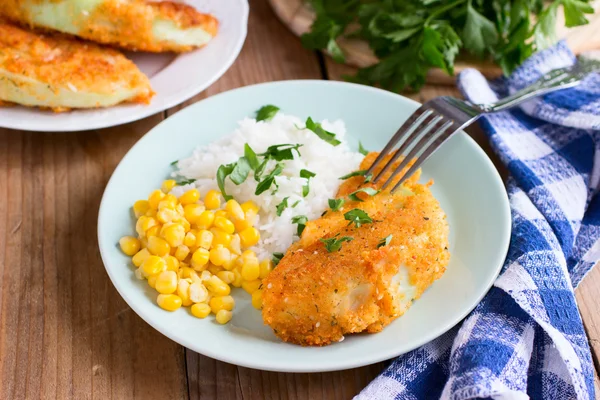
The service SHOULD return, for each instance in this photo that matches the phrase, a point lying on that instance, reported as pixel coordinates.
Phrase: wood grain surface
(65, 333)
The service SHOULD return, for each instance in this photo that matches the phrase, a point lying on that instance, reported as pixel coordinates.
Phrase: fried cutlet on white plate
(129, 24)
(62, 73)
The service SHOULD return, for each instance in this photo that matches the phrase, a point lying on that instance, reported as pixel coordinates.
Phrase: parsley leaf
(185, 182)
(335, 244)
(251, 157)
(276, 258)
(282, 206)
(357, 217)
(223, 172)
(385, 241)
(266, 112)
(280, 152)
(369, 191)
(361, 172)
(296, 203)
(327, 136)
(240, 171)
(336, 204)
(304, 173)
(260, 170)
(362, 150)
(174, 162)
(301, 220)
(266, 183)
(479, 32)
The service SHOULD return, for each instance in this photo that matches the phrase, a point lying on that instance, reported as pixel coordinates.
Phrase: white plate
(466, 184)
(174, 78)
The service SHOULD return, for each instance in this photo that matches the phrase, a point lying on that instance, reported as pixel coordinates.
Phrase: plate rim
(365, 360)
(149, 110)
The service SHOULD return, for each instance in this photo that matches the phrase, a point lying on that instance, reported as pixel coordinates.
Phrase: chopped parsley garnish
(301, 220)
(361, 172)
(304, 173)
(362, 150)
(266, 183)
(385, 241)
(335, 244)
(266, 112)
(296, 203)
(260, 170)
(251, 157)
(174, 162)
(336, 204)
(185, 182)
(240, 172)
(276, 258)
(280, 152)
(316, 127)
(369, 191)
(223, 172)
(282, 206)
(357, 217)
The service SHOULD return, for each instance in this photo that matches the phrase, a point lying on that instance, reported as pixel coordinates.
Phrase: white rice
(328, 162)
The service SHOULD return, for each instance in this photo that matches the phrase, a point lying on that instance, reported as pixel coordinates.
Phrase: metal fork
(439, 119)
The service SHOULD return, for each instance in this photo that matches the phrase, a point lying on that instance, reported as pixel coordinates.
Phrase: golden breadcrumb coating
(315, 297)
(130, 24)
(60, 72)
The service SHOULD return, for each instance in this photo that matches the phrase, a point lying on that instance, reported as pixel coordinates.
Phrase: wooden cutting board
(298, 18)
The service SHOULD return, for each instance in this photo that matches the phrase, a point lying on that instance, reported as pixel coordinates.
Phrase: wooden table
(65, 333)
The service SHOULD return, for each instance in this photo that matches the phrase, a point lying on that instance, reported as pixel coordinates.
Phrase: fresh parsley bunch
(411, 36)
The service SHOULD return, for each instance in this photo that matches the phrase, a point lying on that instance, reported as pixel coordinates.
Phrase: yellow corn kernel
(205, 220)
(166, 215)
(257, 299)
(239, 263)
(214, 269)
(200, 310)
(237, 278)
(139, 274)
(183, 291)
(186, 272)
(219, 255)
(204, 239)
(139, 257)
(217, 286)
(250, 269)
(220, 238)
(140, 208)
(249, 237)
(200, 259)
(143, 242)
(172, 263)
(186, 225)
(198, 292)
(226, 276)
(212, 200)
(151, 213)
(189, 197)
(251, 286)
(143, 224)
(152, 281)
(236, 244)
(157, 246)
(168, 185)
(154, 198)
(189, 240)
(182, 252)
(166, 282)
(219, 303)
(205, 275)
(224, 317)
(221, 213)
(129, 245)
(224, 224)
(234, 209)
(154, 231)
(229, 265)
(153, 265)
(168, 202)
(192, 212)
(169, 302)
(241, 224)
(266, 266)
(249, 205)
(173, 233)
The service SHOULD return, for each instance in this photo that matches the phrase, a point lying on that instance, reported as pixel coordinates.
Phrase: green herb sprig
(334, 244)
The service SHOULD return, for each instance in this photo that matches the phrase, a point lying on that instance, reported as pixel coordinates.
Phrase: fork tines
(423, 132)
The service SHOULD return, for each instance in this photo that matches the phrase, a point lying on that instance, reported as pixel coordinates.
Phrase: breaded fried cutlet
(130, 24)
(61, 73)
(314, 297)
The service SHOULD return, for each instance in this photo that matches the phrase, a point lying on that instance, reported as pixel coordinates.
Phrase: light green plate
(466, 184)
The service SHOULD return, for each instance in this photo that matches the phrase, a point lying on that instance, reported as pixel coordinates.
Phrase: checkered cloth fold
(526, 338)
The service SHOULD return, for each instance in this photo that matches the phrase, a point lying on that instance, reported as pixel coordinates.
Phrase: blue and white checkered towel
(526, 338)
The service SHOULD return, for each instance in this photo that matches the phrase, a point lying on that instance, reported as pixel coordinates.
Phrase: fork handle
(554, 80)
